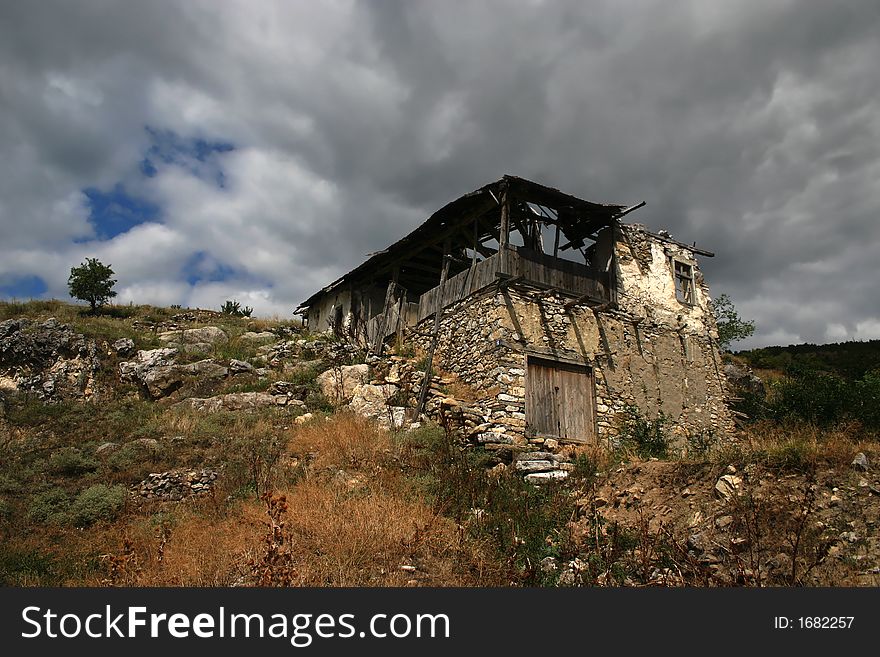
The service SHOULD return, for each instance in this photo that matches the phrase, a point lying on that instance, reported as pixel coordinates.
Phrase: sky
(256, 150)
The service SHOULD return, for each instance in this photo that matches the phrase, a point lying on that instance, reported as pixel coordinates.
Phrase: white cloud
(752, 130)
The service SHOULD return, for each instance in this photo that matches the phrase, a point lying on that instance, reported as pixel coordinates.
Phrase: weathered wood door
(559, 401)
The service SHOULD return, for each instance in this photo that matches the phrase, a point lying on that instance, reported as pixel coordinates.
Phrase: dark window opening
(684, 282)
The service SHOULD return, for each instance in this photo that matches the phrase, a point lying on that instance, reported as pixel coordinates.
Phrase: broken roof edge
(517, 183)
(693, 248)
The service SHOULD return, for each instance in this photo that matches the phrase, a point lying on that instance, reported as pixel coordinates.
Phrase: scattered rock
(728, 486)
(723, 522)
(860, 462)
(744, 380)
(302, 419)
(339, 383)
(263, 337)
(147, 443)
(105, 448)
(123, 347)
(240, 366)
(207, 334)
(549, 565)
(545, 477)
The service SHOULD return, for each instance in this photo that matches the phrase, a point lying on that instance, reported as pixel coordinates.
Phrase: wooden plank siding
(533, 267)
(560, 401)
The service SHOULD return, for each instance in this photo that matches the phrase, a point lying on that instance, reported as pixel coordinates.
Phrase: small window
(684, 282)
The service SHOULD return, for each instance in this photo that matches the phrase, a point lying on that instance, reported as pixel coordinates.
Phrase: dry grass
(800, 446)
(344, 537)
(343, 441)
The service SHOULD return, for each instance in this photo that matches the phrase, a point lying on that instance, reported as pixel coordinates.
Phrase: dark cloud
(749, 127)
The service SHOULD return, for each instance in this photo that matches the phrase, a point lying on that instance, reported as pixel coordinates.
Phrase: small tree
(92, 282)
(234, 308)
(731, 326)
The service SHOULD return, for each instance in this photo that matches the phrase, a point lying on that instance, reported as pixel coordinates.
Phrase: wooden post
(383, 324)
(476, 236)
(505, 218)
(612, 273)
(426, 382)
(556, 241)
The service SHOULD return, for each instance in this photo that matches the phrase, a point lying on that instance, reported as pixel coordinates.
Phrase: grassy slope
(360, 506)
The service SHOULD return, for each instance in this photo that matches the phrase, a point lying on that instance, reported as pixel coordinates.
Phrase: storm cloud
(257, 150)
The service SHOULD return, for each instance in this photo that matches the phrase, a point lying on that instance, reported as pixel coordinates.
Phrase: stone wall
(653, 352)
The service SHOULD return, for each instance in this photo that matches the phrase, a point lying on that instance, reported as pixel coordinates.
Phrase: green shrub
(71, 462)
(647, 437)
(49, 507)
(98, 502)
(9, 484)
(700, 442)
(522, 523)
(5, 510)
(585, 468)
(826, 399)
(235, 309)
(24, 567)
(815, 397)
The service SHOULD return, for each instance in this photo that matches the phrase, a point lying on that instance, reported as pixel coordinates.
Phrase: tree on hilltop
(92, 282)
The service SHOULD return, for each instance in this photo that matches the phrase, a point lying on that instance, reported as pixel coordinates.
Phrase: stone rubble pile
(175, 485)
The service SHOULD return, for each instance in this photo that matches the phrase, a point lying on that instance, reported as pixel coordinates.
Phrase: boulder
(728, 486)
(49, 359)
(339, 383)
(145, 360)
(372, 401)
(264, 337)
(239, 366)
(156, 371)
(123, 347)
(744, 380)
(162, 381)
(196, 348)
(207, 334)
(236, 401)
(546, 477)
(204, 369)
(860, 462)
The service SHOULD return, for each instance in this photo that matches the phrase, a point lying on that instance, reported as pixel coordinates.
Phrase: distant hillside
(848, 359)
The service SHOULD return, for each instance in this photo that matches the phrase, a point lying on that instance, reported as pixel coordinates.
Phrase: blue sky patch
(22, 287)
(198, 156)
(115, 212)
(202, 267)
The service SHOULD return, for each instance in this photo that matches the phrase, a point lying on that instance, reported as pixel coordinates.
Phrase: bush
(98, 502)
(520, 522)
(234, 308)
(71, 462)
(826, 399)
(49, 507)
(647, 437)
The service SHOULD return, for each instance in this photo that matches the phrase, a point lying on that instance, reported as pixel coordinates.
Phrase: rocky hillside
(156, 446)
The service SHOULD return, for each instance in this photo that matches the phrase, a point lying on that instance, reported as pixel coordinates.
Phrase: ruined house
(563, 316)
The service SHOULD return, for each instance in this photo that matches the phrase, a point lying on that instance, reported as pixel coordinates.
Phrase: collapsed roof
(472, 223)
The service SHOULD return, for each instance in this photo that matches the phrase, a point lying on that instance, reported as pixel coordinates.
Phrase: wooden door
(559, 401)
